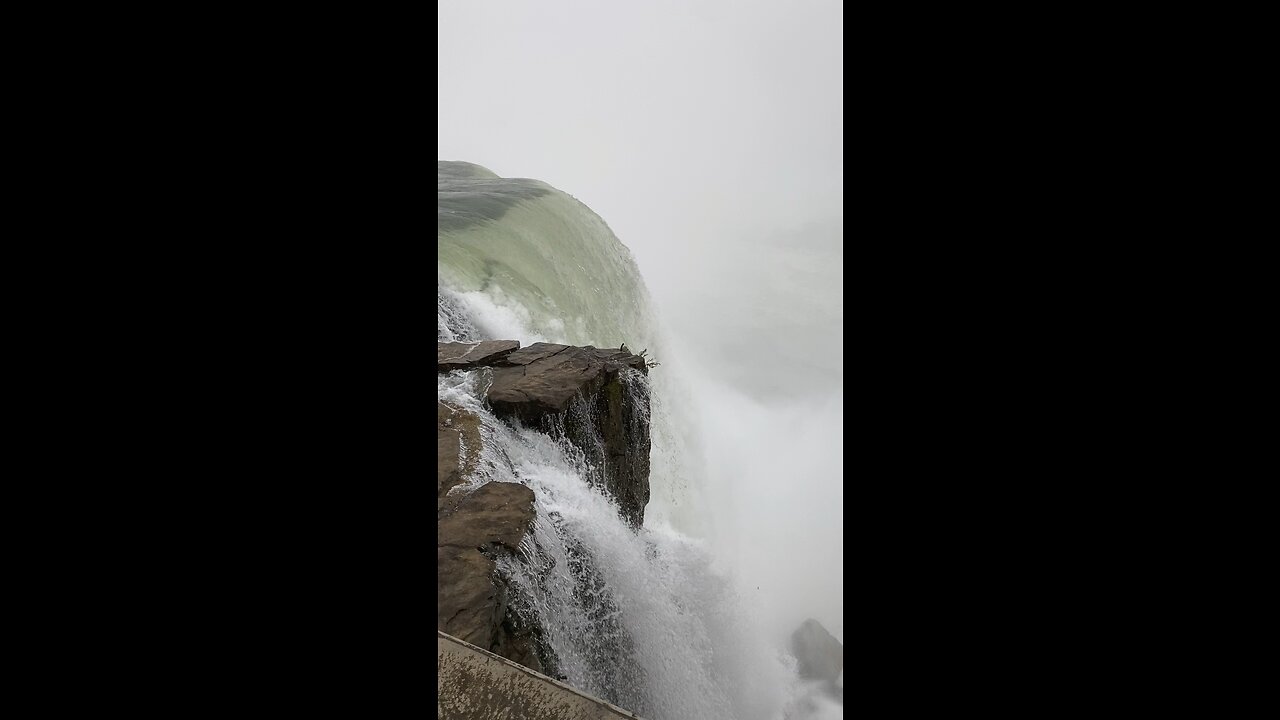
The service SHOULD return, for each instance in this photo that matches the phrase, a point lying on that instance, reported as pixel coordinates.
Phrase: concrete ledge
(475, 684)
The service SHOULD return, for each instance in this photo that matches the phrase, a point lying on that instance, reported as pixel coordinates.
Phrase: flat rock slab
(464, 356)
(545, 377)
(533, 353)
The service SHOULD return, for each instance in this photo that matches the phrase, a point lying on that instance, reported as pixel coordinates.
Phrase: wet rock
(457, 447)
(545, 377)
(472, 602)
(465, 356)
(594, 398)
(584, 394)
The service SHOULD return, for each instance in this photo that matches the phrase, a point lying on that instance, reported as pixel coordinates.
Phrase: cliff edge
(575, 393)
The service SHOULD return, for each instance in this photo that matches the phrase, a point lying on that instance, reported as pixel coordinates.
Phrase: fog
(709, 136)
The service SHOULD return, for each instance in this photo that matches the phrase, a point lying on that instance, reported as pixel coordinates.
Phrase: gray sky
(689, 127)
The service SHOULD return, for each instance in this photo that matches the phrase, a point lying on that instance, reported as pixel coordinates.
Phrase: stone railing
(474, 684)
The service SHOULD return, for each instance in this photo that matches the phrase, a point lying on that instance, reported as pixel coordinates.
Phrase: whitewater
(668, 621)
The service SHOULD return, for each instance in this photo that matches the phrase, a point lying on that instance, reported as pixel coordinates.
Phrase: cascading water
(648, 619)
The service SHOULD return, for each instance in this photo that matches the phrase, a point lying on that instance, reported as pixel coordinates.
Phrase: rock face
(579, 392)
(488, 523)
(821, 656)
(582, 392)
(587, 395)
(473, 531)
(457, 447)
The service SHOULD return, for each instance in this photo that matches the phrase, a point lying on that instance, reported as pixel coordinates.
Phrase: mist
(709, 136)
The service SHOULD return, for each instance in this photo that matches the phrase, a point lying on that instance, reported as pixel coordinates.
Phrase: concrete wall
(475, 684)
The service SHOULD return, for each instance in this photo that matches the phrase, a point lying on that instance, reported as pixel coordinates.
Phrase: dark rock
(821, 656)
(464, 356)
(517, 640)
(473, 603)
(581, 393)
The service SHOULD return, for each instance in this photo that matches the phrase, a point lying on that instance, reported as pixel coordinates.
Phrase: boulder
(821, 656)
(472, 602)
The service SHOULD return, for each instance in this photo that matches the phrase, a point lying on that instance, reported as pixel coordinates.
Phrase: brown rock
(472, 603)
(544, 377)
(464, 356)
(580, 391)
(457, 447)
(574, 392)
(534, 352)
